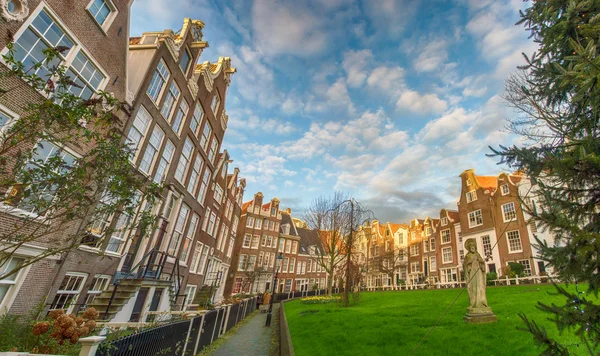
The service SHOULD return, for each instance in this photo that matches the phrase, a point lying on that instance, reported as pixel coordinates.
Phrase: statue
(478, 311)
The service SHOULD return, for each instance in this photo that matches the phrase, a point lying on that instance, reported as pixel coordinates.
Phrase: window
(203, 260)
(180, 116)
(303, 271)
(487, 245)
(288, 246)
(258, 224)
(216, 100)
(99, 284)
(444, 221)
(159, 78)
(527, 267)
(286, 261)
(449, 275)
(184, 160)
(247, 240)
(413, 235)
(5, 119)
(250, 222)
(263, 241)
(100, 11)
(432, 263)
(508, 212)
(504, 189)
(138, 130)
(271, 225)
(251, 262)
(185, 60)
(152, 148)
(425, 246)
(237, 285)
(178, 229)
(190, 292)
(255, 240)
(212, 154)
(471, 196)
(85, 75)
(294, 246)
(68, 292)
(462, 255)
(400, 238)
(469, 182)
(211, 223)
(427, 231)
(204, 186)
(196, 257)
(206, 133)
(242, 262)
(415, 267)
(196, 118)
(7, 284)
(475, 218)
(432, 244)
(288, 285)
(163, 164)
(189, 238)
(514, 241)
(281, 245)
(219, 195)
(414, 250)
(447, 255)
(170, 100)
(44, 151)
(292, 265)
(445, 236)
(270, 242)
(230, 247)
(196, 169)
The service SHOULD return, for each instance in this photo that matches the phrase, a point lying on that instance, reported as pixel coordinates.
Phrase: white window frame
(508, 240)
(185, 158)
(14, 285)
(75, 293)
(504, 189)
(109, 19)
(471, 196)
(506, 212)
(442, 233)
(93, 291)
(165, 80)
(474, 222)
(189, 289)
(444, 221)
(149, 157)
(142, 114)
(449, 250)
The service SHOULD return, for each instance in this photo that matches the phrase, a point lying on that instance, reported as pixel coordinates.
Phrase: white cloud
(432, 56)
(327, 97)
(388, 79)
(356, 64)
(390, 17)
(287, 28)
(421, 104)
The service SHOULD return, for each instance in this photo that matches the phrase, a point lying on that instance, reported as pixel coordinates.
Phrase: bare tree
(390, 262)
(328, 217)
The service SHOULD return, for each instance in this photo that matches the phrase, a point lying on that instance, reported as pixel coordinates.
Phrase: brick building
(177, 123)
(489, 210)
(95, 35)
(270, 240)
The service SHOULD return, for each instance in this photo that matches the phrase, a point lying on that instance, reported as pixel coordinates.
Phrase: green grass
(393, 323)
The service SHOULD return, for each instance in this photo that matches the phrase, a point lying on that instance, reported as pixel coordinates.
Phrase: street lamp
(278, 264)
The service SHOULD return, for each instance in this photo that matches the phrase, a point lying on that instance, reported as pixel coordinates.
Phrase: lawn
(393, 323)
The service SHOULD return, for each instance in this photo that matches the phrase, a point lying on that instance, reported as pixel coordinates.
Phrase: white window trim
(190, 64)
(162, 90)
(502, 189)
(469, 219)
(10, 297)
(78, 294)
(451, 256)
(109, 19)
(442, 236)
(520, 241)
(77, 44)
(504, 213)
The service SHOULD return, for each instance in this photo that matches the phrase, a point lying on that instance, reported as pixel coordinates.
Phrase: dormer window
(184, 62)
(444, 221)
(469, 182)
(504, 189)
(216, 100)
(273, 211)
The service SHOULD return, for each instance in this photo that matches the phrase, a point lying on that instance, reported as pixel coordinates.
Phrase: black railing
(154, 266)
(181, 338)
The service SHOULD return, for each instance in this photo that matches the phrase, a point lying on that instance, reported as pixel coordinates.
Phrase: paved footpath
(252, 338)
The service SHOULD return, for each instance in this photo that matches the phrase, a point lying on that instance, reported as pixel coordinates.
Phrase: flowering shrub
(320, 299)
(63, 327)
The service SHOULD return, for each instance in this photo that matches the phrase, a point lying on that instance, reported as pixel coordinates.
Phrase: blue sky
(386, 100)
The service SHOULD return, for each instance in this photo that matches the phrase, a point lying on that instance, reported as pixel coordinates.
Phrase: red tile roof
(246, 205)
(453, 215)
(487, 182)
(395, 227)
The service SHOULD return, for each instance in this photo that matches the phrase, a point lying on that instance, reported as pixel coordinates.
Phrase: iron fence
(182, 338)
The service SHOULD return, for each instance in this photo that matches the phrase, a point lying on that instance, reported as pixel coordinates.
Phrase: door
(140, 301)
(154, 303)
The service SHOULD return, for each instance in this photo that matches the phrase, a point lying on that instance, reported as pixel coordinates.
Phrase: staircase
(123, 294)
(152, 267)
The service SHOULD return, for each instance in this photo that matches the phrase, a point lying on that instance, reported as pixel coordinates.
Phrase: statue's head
(471, 245)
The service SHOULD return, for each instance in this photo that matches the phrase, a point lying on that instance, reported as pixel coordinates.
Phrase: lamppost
(277, 265)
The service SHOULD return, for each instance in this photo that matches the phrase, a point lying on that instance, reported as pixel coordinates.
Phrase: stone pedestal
(480, 316)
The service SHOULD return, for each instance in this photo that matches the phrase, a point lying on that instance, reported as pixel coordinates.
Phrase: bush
(491, 277)
(515, 269)
(320, 299)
